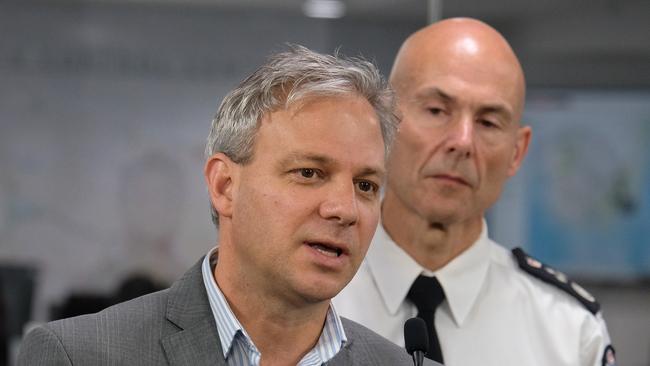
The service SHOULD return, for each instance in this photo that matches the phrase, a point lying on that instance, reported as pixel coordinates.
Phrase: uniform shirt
(494, 313)
(238, 348)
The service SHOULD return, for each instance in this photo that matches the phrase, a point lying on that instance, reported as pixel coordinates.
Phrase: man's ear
(524, 134)
(220, 176)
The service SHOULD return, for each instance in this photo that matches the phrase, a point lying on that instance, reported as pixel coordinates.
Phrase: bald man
(461, 94)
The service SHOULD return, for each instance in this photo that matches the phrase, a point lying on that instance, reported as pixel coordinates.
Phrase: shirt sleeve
(596, 348)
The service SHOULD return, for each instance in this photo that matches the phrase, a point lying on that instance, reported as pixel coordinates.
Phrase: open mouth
(326, 249)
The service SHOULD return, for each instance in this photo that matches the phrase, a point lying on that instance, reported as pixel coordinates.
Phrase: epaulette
(555, 278)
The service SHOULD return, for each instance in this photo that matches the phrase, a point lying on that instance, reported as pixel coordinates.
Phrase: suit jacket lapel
(196, 340)
(344, 357)
(194, 346)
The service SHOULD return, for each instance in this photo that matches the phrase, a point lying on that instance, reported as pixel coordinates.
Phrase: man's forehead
(337, 131)
(466, 36)
(457, 45)
(492, 84)
(424, 63)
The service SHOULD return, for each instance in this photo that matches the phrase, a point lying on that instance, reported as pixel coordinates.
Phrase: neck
(431, 243)
(283, 331)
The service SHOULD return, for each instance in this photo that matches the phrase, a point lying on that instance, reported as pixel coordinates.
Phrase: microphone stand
(418, 358)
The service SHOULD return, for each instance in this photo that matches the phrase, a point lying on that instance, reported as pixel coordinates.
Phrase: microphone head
(416, 337)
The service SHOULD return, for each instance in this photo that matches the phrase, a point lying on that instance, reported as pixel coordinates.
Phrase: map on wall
(587, 182)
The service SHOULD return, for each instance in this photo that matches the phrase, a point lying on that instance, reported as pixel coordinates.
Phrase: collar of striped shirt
(238, 348)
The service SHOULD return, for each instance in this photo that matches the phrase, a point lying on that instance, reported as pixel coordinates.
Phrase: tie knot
(426, 293)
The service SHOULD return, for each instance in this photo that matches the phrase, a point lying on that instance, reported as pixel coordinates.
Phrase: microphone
(416, 339)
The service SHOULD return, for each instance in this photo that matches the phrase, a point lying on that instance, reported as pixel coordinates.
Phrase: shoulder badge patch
(609, 356)
(557, 279)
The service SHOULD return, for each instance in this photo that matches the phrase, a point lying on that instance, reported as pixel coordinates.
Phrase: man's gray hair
(289, 77)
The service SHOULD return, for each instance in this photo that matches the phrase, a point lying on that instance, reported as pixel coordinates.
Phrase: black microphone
(416, 339)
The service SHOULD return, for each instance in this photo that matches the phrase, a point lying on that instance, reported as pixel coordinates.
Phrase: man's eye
(488, 123)
(435, 111)
(307, 172)
(366, 186)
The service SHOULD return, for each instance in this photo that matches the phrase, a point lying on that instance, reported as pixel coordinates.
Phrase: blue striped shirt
(238, 348)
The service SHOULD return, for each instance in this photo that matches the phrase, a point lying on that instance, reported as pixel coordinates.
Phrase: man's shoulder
(369, 348)
(129, 314)
(555, 298)
(117, 331)
(548, 290)
(543, 279)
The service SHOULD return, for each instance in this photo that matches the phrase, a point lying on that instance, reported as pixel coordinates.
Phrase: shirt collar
(329, 343)
(227, 324)
(461, 279)
(332, 337)
(392, 268)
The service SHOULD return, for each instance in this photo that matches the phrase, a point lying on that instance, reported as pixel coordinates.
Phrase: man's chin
(322, 291)
(445, 216)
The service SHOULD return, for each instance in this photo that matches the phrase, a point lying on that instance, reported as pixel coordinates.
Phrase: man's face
(459, 139)
(306, 207)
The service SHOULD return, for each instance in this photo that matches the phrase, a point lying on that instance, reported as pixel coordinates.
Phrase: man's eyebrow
(297, 156)
(433, 92)
(371, 171)
(498, 109)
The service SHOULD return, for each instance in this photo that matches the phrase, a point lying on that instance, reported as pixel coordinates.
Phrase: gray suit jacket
(171, 327)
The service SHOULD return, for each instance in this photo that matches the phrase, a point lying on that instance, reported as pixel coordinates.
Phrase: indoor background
(105, 106)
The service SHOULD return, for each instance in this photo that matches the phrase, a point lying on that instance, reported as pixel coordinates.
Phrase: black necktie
(426, 293)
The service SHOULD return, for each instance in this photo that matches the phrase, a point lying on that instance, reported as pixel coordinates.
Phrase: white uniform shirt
(494, 312)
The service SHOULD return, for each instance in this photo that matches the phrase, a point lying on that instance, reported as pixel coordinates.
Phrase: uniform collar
(392, 268)
(462, 279)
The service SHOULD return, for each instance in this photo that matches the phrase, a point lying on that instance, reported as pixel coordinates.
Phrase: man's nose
(461, 137)
(340, 203)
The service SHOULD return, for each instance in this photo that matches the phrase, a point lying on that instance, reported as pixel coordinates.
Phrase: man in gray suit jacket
(295, 162)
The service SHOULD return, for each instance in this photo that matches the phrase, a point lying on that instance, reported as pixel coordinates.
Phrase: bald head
(466, 50)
